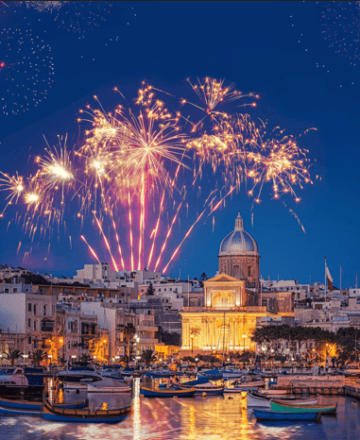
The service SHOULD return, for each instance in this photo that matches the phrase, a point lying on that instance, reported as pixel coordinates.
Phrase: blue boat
(160, 373)
(20, 404)
(211, 374)
(192, 383)
(51, 412)
(170, 392)
(274, 416)
(8, 411)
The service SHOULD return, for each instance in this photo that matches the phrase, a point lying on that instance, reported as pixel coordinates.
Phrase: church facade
(228, 318)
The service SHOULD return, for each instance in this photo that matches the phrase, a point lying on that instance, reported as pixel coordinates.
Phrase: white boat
(108, 385)
(274, 392)
(231, 374)
(261, 402)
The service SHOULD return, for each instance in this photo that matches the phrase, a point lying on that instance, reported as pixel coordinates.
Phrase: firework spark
(26, 70)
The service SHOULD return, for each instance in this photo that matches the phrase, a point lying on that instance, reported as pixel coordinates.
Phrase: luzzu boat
(20, 404)
(51, 412)
(211, 374)
(280, 416)
(187, 392)
(72, 405)
(276, 405)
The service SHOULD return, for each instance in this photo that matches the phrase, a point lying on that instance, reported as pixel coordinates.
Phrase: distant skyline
(255, 46)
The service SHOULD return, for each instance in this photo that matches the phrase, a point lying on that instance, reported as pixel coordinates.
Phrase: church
(231, 299)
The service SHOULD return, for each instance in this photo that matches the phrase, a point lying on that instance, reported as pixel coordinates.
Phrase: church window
(249, 271)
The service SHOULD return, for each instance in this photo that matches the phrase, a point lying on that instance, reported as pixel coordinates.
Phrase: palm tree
(12, 355)
(85, 358)
(149, 356)
(37, 356)
(129, 333)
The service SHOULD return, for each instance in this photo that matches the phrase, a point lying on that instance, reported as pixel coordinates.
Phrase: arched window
(249, 271)
(45, 309)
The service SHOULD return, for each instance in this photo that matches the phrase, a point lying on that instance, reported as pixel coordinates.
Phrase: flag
(328, 277)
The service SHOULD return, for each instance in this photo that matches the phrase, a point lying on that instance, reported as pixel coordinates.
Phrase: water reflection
(199, 418)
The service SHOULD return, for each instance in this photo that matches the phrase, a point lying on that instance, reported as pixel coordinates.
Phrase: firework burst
(139, 174)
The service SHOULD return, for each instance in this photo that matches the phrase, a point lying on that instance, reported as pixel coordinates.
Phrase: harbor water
(198, 418)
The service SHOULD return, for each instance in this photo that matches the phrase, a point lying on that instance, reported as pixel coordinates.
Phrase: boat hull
(7, 411)
(147, 392)
(20, 404)
(94, 389)
(72, 405)
(84, 416)
(260, 402)
(280, 407)
(268, 415)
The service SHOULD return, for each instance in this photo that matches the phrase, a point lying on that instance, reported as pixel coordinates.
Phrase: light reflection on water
(199, 418)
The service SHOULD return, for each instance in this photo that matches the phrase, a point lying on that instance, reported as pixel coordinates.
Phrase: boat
(77, 372)
(170, 392)
(160, 374)
(274, 416)
(20, 404)
(249, 385)
(258, 401)
(107, 385)
(298, 402)
(211, 374)
(22, 381)
(229, 373)
(128, 372)
(53, 413)
(190, 384)
(73, 405)
(207, 388)
(277, 405)
(7, 411)
(274, 392)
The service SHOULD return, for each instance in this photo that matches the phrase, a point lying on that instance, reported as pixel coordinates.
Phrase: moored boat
(22, 381)
(148, 392)
(274, 416)
(211, 374)
(160, 374)
(274, 392)
(8, 411)
(108, 385)
(207, 388)
(51, 412)
(276, 405)
(258, 401)
(20, 404)
(73, 405)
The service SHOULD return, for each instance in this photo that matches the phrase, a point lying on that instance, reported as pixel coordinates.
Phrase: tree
(85, 359)
(150, 290)
(149, 357)
(129, 333)
(12, 355)
(37, 356)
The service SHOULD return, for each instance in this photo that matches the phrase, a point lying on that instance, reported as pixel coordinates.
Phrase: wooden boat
(72, 405)
(277, 405)
(211, 374)
(207, 388)
(51, 412)
(20, 404)
(191, 383)
(261, 402)
(298, 402)
(248, 386)
(274, 416)
(274, 392)
(187, 392)
(9, 411)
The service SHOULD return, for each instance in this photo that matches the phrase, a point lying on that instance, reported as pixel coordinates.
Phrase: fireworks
(341, 21)
(139, 174)
(45, 5)
(74, 16)
(26, 70)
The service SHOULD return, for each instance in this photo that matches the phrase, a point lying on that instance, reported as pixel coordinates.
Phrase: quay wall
(313, 384)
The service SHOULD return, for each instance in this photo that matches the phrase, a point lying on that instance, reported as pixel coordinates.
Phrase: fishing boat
(108, 385)
(160, 374)
(8, 411)
(207, 388)
(170, 392)
(190, 384)
(231, 373)
(211, 374)
(274, 416)
(72, 405)
(20, 404)
(258, 401)
(276, 405)
(274, 392)
(51, 412)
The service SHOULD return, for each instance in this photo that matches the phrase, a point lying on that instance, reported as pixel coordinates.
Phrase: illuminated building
(228, 316)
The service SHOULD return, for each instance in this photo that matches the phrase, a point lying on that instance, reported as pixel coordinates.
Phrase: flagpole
(325, 288)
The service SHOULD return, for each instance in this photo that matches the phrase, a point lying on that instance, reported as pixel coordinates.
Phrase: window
(53, 309)
(15, 290)
(29, 307)
(35, 325)
(29, 340)
(34, 309)
(29, 322)
(45, 309)
(6, 290)
(249, 271)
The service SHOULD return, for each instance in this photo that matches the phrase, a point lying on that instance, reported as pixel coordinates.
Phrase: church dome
(238, 242)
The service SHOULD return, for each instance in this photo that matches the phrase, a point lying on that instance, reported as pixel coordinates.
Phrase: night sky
(257, 46)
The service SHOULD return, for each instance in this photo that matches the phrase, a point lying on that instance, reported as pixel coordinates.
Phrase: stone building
(239, 256)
